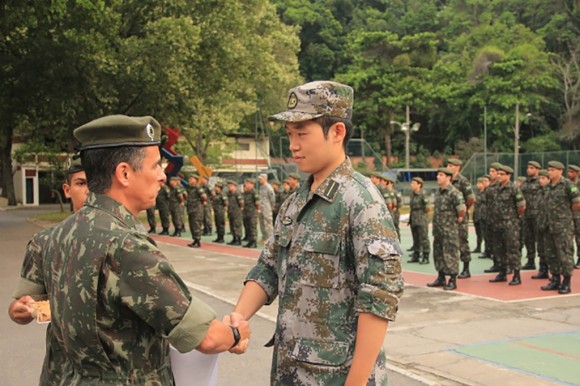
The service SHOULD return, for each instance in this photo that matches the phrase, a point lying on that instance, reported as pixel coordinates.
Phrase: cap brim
(293, 116)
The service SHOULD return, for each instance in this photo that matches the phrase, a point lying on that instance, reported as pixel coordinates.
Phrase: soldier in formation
(176, 204)
(541, 225)
(235, 208)
(419, 222)
(219, 201)
(195, 204)
(479, 213)
(464, 186)
(510, 206)
(448, 216)
(250, 213)
(531, 190)
(490, 207)
(394, 201)
(267, 201)
(162, 205)
(207, 208)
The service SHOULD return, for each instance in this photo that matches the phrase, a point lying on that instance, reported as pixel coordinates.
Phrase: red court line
(251, 253)
(547, 350)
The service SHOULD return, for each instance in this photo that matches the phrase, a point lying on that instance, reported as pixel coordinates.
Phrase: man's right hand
(20, 310)
(236, 320)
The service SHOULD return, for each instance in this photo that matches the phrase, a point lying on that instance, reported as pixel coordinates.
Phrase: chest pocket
(320, 260)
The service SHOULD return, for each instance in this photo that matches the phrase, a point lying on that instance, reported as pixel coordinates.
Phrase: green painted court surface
(552, 357)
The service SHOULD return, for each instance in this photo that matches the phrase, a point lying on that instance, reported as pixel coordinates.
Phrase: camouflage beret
(219, 183)
(390, 177)
(535, 164)
(250, 180)
(263, 175)
(418, 179)
(486, 176)
(316, 99)
(495, 165)
(556, 165)
(275, 182)
(193, 176)
(285, 181)
(521, 178)
(73, 165)
(296, 176)
(506, 169)
(117, 131)
(175, 178)
(576, 168)
(378, 175)
(543, 173)
(447, 171)
(481, 179)
(454, 161)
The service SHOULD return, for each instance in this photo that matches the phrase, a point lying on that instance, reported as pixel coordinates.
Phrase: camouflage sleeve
(573, 193)
(150, 287)
(32, 275)
(519, 197)
(459, 202)
(469, 194)
(377, 260)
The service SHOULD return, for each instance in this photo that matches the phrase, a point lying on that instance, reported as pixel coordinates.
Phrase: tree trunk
(7, 177)
(388, 146)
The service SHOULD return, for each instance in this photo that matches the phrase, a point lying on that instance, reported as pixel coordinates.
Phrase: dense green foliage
(213, 67)
(448, 59)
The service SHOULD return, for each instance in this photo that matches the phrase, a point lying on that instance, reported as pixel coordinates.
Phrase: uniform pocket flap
(329, 353)
(327, 243)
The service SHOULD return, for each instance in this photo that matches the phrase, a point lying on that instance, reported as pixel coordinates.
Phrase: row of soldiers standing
(243, 209)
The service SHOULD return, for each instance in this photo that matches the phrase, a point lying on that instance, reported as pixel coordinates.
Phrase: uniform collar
(329, 188)
(115, 209)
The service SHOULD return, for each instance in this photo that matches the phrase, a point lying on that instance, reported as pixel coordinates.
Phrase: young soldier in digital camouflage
(116, 302)
(334, 260)
(419, 222)
(32, 284)
(541, 225)
(464, 186)
(510, 206)
(448, 215)
(562, 201)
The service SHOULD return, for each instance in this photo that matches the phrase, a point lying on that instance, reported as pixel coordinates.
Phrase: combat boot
(425, 258)
(220, 239)
(565, 287)
(553, 285)
(233, 242)
(542, 272)
(501, 277)
(251, 244)
(415, 258)
(516, 279)
(411, 249)
(465, 273)
(530, 264)
(439, 282)
(177, 233)
(452, 284)
(492, 269)
(477, 249)
(152, 230)
(195, 244)
(165, 231)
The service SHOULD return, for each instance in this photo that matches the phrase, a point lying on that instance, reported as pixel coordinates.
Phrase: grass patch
(51, 217)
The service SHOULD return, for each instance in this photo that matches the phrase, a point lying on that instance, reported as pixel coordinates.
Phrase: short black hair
(100, 164)
(326, 122)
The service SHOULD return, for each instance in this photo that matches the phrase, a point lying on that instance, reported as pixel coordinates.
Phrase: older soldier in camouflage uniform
(220, 205)
(419, 222)
(464, 186)
(235, 208)
(479, 213)
(250, 213)
(32, 284)
(510, 207)
(162, 204)
(176, 202)
(195, 203)
(542, 225)
(448, 215)
(116, 302)
(334, 260)
(267, 201)
(562, 200)
(531, 191)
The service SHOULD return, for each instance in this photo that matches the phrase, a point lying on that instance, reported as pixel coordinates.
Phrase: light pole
(407, 128)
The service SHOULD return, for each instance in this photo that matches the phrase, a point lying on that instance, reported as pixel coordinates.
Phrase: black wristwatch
(237, 336)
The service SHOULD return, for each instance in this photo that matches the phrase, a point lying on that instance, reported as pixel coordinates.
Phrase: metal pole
(485, 139)
(517, 141)
(407, 137)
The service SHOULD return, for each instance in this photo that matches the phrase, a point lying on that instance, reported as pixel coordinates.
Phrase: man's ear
(66, 190)
(339, 130)
(122, 173)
